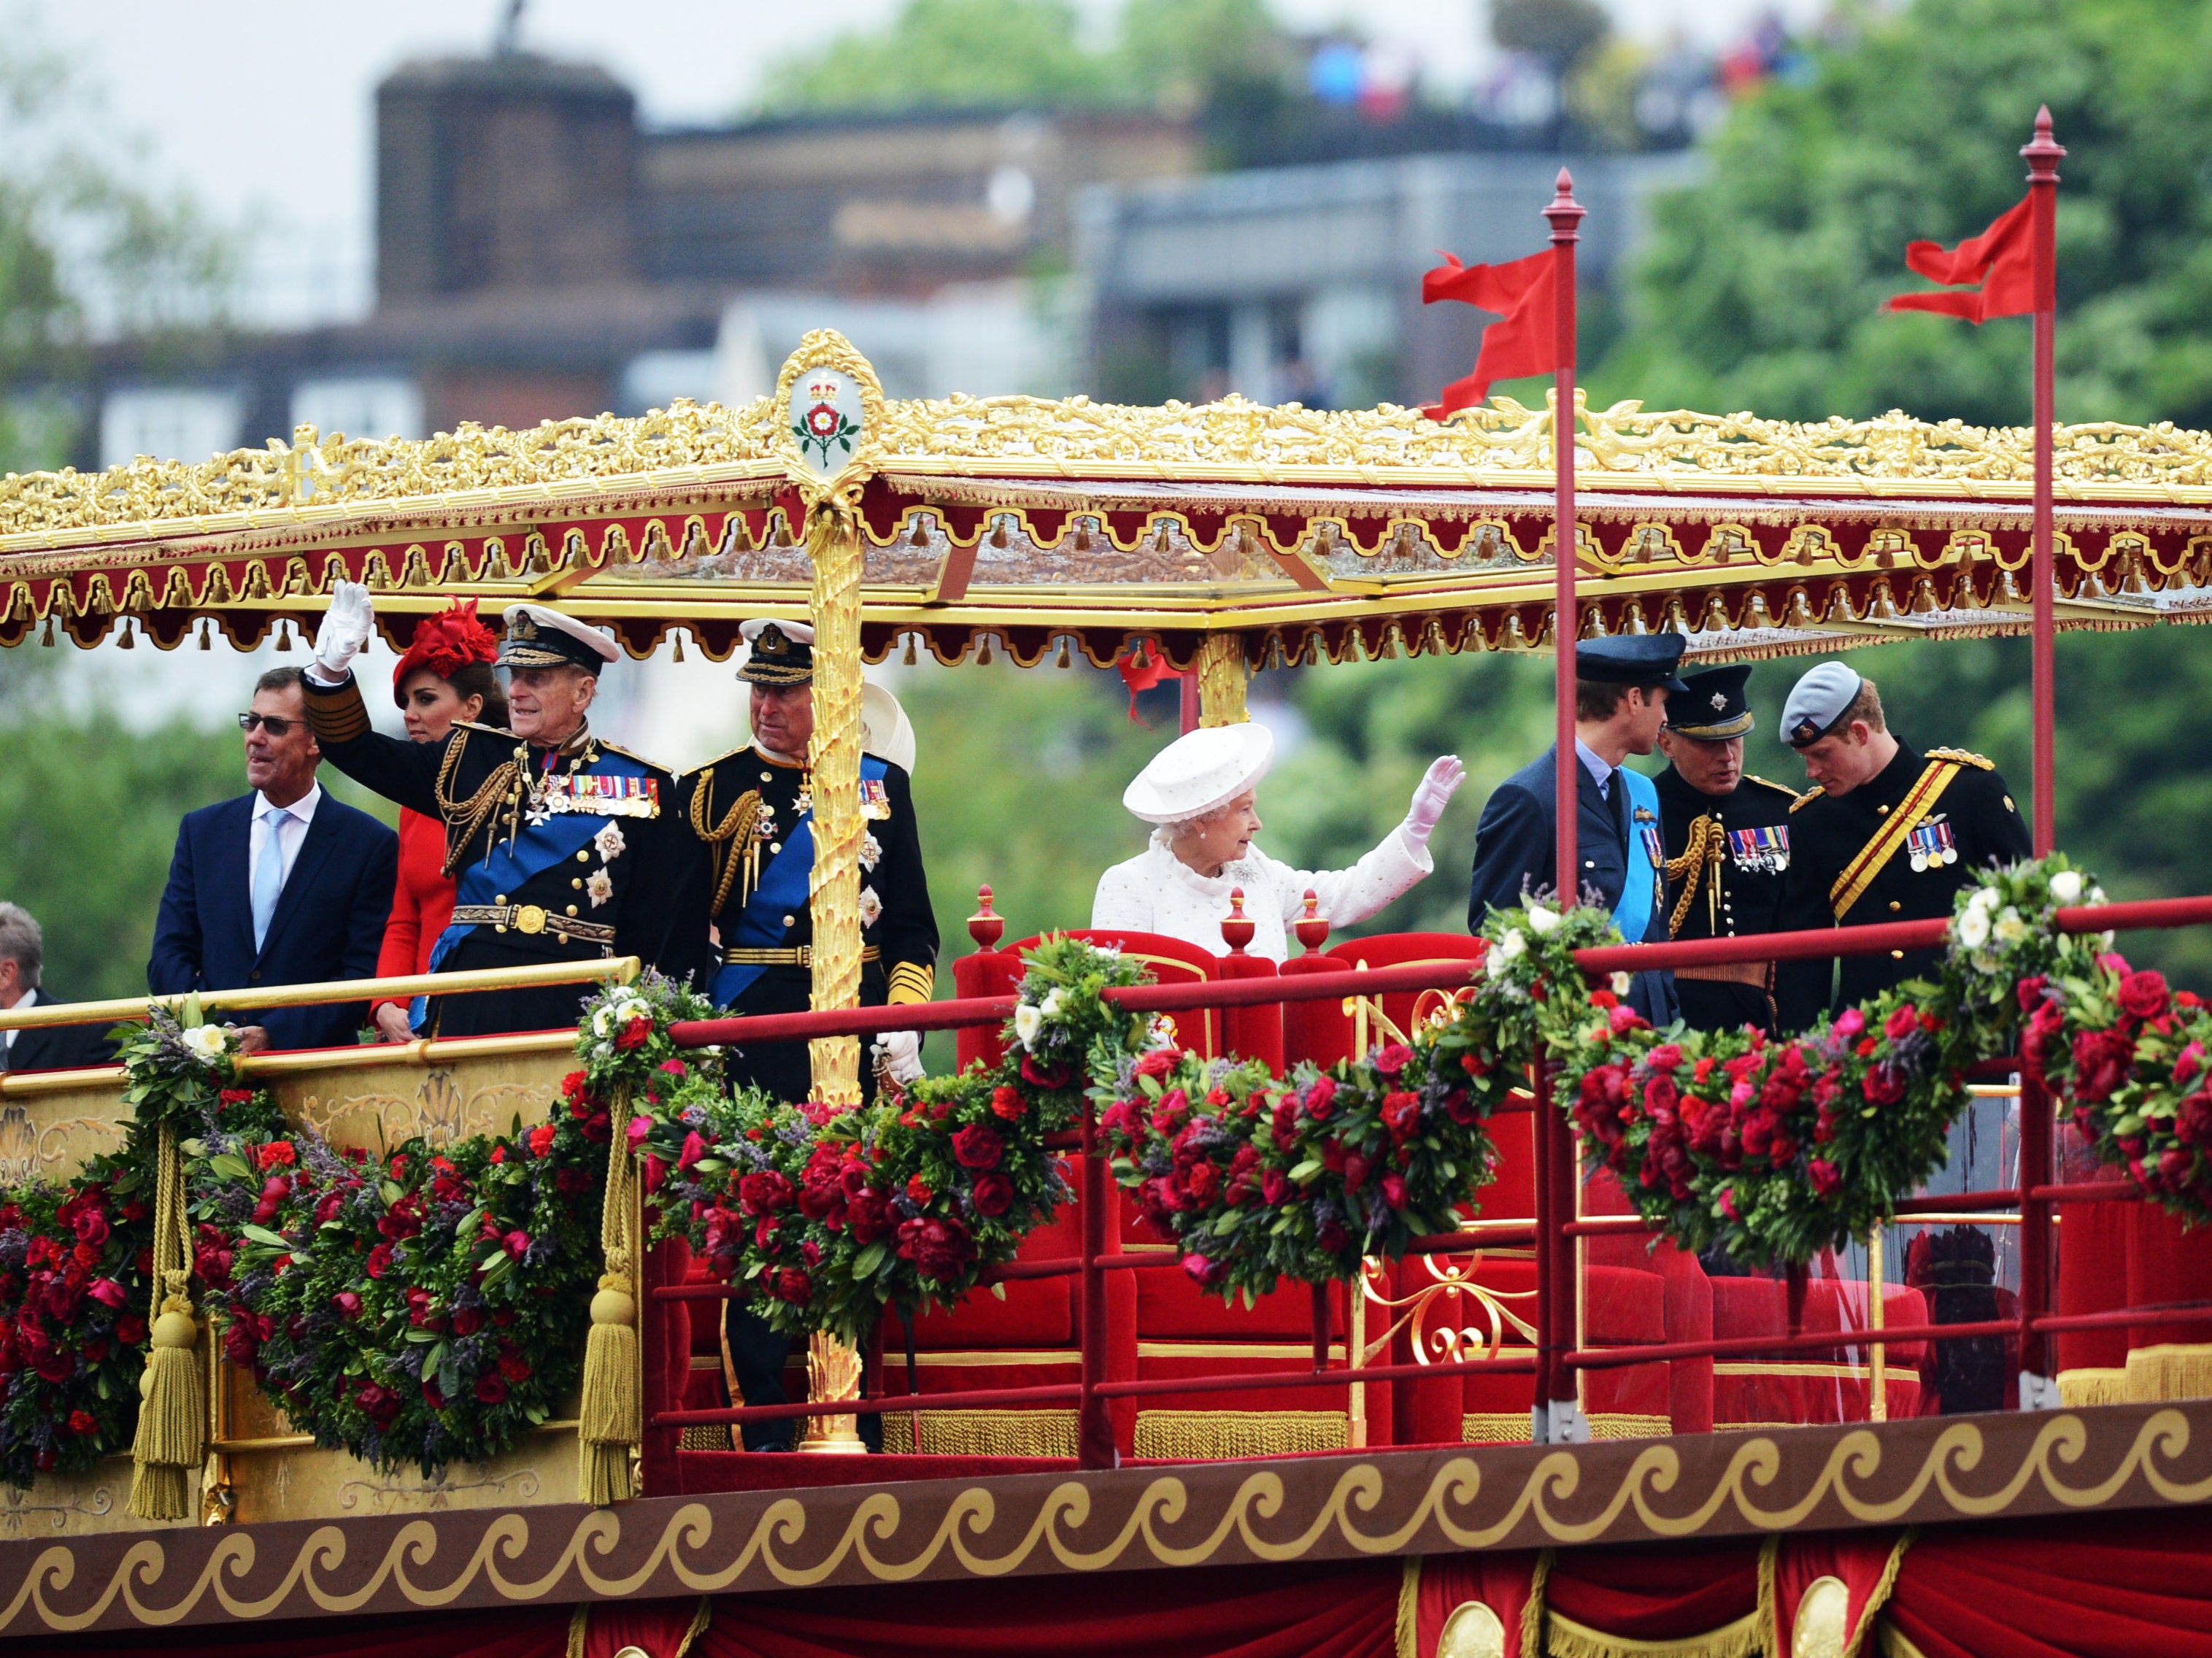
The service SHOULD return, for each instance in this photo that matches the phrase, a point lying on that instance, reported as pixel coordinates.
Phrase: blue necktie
(268, 876)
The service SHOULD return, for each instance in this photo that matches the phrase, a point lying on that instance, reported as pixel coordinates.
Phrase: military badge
(875, 802)
(609, 842)
(1654, 850)
(1761, 851)
(1931, 845)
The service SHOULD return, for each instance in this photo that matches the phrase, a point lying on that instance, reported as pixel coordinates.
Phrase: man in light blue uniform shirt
(1620, 701)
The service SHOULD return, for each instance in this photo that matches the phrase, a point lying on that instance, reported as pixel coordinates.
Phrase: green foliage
(1761, 287)
(1009, 54)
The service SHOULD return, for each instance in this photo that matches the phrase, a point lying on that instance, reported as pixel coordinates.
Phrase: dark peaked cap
(1712, 707)
(1632, 660)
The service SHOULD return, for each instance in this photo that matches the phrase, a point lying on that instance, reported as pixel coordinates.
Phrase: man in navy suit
(282, 886)
(23, 987)
(1620, 701)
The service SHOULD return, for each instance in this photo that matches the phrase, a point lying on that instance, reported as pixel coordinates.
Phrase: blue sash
(536, 849)
(783, 891)
(1639, 892)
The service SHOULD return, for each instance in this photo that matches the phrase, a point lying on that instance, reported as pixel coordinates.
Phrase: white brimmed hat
(1199, 771)
(538, 637)
(885, 731)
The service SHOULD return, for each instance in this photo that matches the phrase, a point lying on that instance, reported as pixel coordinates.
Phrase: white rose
(2066, 886)
(1495, 965)
(1541, 921)
(1051, 1003)
(1984, 899)
(1973, 926)
(599, 1020)
(207, 1042)
(1622, 982)
(2010, 929)
(1513, 946)
(1029, 1019)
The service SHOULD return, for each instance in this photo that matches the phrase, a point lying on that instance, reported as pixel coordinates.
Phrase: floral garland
(828, 1218)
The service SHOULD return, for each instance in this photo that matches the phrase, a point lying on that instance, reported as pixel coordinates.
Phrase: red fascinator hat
(446, 643)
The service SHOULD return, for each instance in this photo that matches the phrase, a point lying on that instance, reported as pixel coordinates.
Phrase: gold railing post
(1221, 680)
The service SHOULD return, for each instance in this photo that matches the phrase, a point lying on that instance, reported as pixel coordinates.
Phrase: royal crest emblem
(821, 421)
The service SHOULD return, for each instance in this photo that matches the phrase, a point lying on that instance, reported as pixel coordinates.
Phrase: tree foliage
(1761, 287)
(1022, 54)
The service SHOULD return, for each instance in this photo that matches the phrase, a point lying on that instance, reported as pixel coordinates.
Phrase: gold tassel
(611, 1419)
(1409, 1602)
(172, 1438)
(679, 637)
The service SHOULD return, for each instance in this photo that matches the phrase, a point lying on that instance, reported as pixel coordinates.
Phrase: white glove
(1431, 795)
(343, 631)
(900, 1052)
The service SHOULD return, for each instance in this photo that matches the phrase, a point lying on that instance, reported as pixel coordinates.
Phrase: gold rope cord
(468, 815)
(172, 1434)
(729, 839)
(1707, 843)
(611, 1411)
(1221, 681)
(833, 543)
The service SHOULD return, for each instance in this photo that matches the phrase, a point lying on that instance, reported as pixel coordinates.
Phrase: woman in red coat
(446, 674)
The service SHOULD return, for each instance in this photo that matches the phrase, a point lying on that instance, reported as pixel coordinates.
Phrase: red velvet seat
(1788, 1387)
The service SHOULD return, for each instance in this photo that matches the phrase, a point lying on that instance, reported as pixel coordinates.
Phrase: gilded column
(833, 541)
(1221, 679)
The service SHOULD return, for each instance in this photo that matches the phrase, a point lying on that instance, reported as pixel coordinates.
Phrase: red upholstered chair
(1786, 1389)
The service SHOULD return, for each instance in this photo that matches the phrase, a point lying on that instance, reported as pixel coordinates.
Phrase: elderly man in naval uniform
(565, 848)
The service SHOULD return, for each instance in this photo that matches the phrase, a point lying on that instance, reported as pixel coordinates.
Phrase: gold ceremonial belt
(802, 955)
(1753, 973)
(532, 917)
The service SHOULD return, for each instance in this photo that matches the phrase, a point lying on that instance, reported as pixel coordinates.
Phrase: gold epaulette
(1962, 757)
(615, 748)
(1808, 798)
(1779, 788)
(488, 731)
(720, 759)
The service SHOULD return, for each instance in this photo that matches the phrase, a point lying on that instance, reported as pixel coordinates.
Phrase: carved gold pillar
(833, 541)
(1221, 679)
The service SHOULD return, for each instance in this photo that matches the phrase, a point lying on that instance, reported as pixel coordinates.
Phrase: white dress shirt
(291, 830)
(28, 999)
(1600, 772)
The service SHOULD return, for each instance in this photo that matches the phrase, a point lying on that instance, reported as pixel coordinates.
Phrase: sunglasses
(275, 724)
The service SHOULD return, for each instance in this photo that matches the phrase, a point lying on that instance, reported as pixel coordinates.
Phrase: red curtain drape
(1667, 1594)
(2111, 1586)
(1328, 1611)
(501, 1632)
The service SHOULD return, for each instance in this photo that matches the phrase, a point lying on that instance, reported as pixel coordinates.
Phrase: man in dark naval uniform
(751, 808)
(565, 846)
(1728, 843)
(1621, 689)
(1884, 834)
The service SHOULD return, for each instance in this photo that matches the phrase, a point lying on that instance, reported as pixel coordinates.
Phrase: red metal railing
(1557, 1356)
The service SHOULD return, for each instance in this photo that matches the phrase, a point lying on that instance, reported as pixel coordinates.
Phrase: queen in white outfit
(1198, 791)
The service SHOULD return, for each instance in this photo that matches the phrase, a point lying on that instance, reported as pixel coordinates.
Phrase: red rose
(994, 1195)
(491, 1387)
(541, 1140)
(2101, 1059)
(1050, 1078)
(694, 1147)
(635, 1034)
(1204, 1272)
(380, 1260)
(278, 1154)
(82, 1422)
(1274, 1188)
(791, 1285)
(91, 1227)
(1665, 1057)
(1401, 1114)
(977, 1146)
(940, 1248)
(1391, 1058)
(106, 1291)
(675, 1068)
(1393, 1190)
(1901, 1023)
(1884, 1085)
(1357, 1169)
(1827, 1177)
(130, 1330)
(1320, 1099)
(347, 1302)
(517, 1243)
(1007, 1104)
(380, 1405)
(1159, 1062)
(1332, 1237)
(1204, 1180)
(2143, 995)
(764, 1191)
(513, 1366)
(917, 1190)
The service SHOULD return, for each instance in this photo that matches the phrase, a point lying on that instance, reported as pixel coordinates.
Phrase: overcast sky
(264, 109)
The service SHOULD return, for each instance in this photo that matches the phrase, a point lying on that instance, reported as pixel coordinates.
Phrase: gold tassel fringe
(2169, 1370)
(980, 1433)
(1409, 1606)
(1565, 1638)
(1532, 1609)
(172, 1438)
(2099, 1386)
(1220, 1436)
(610, 1419)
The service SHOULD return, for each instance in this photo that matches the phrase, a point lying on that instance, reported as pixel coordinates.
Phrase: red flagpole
(2042, 154)
(1565, 216)
(1557, 1392)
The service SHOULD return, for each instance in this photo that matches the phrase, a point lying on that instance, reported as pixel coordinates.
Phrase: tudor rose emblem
(823, 406)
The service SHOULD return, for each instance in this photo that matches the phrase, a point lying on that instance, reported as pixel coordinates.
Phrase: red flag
(1525, 343)
(2000, 259)
(1155, 671)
